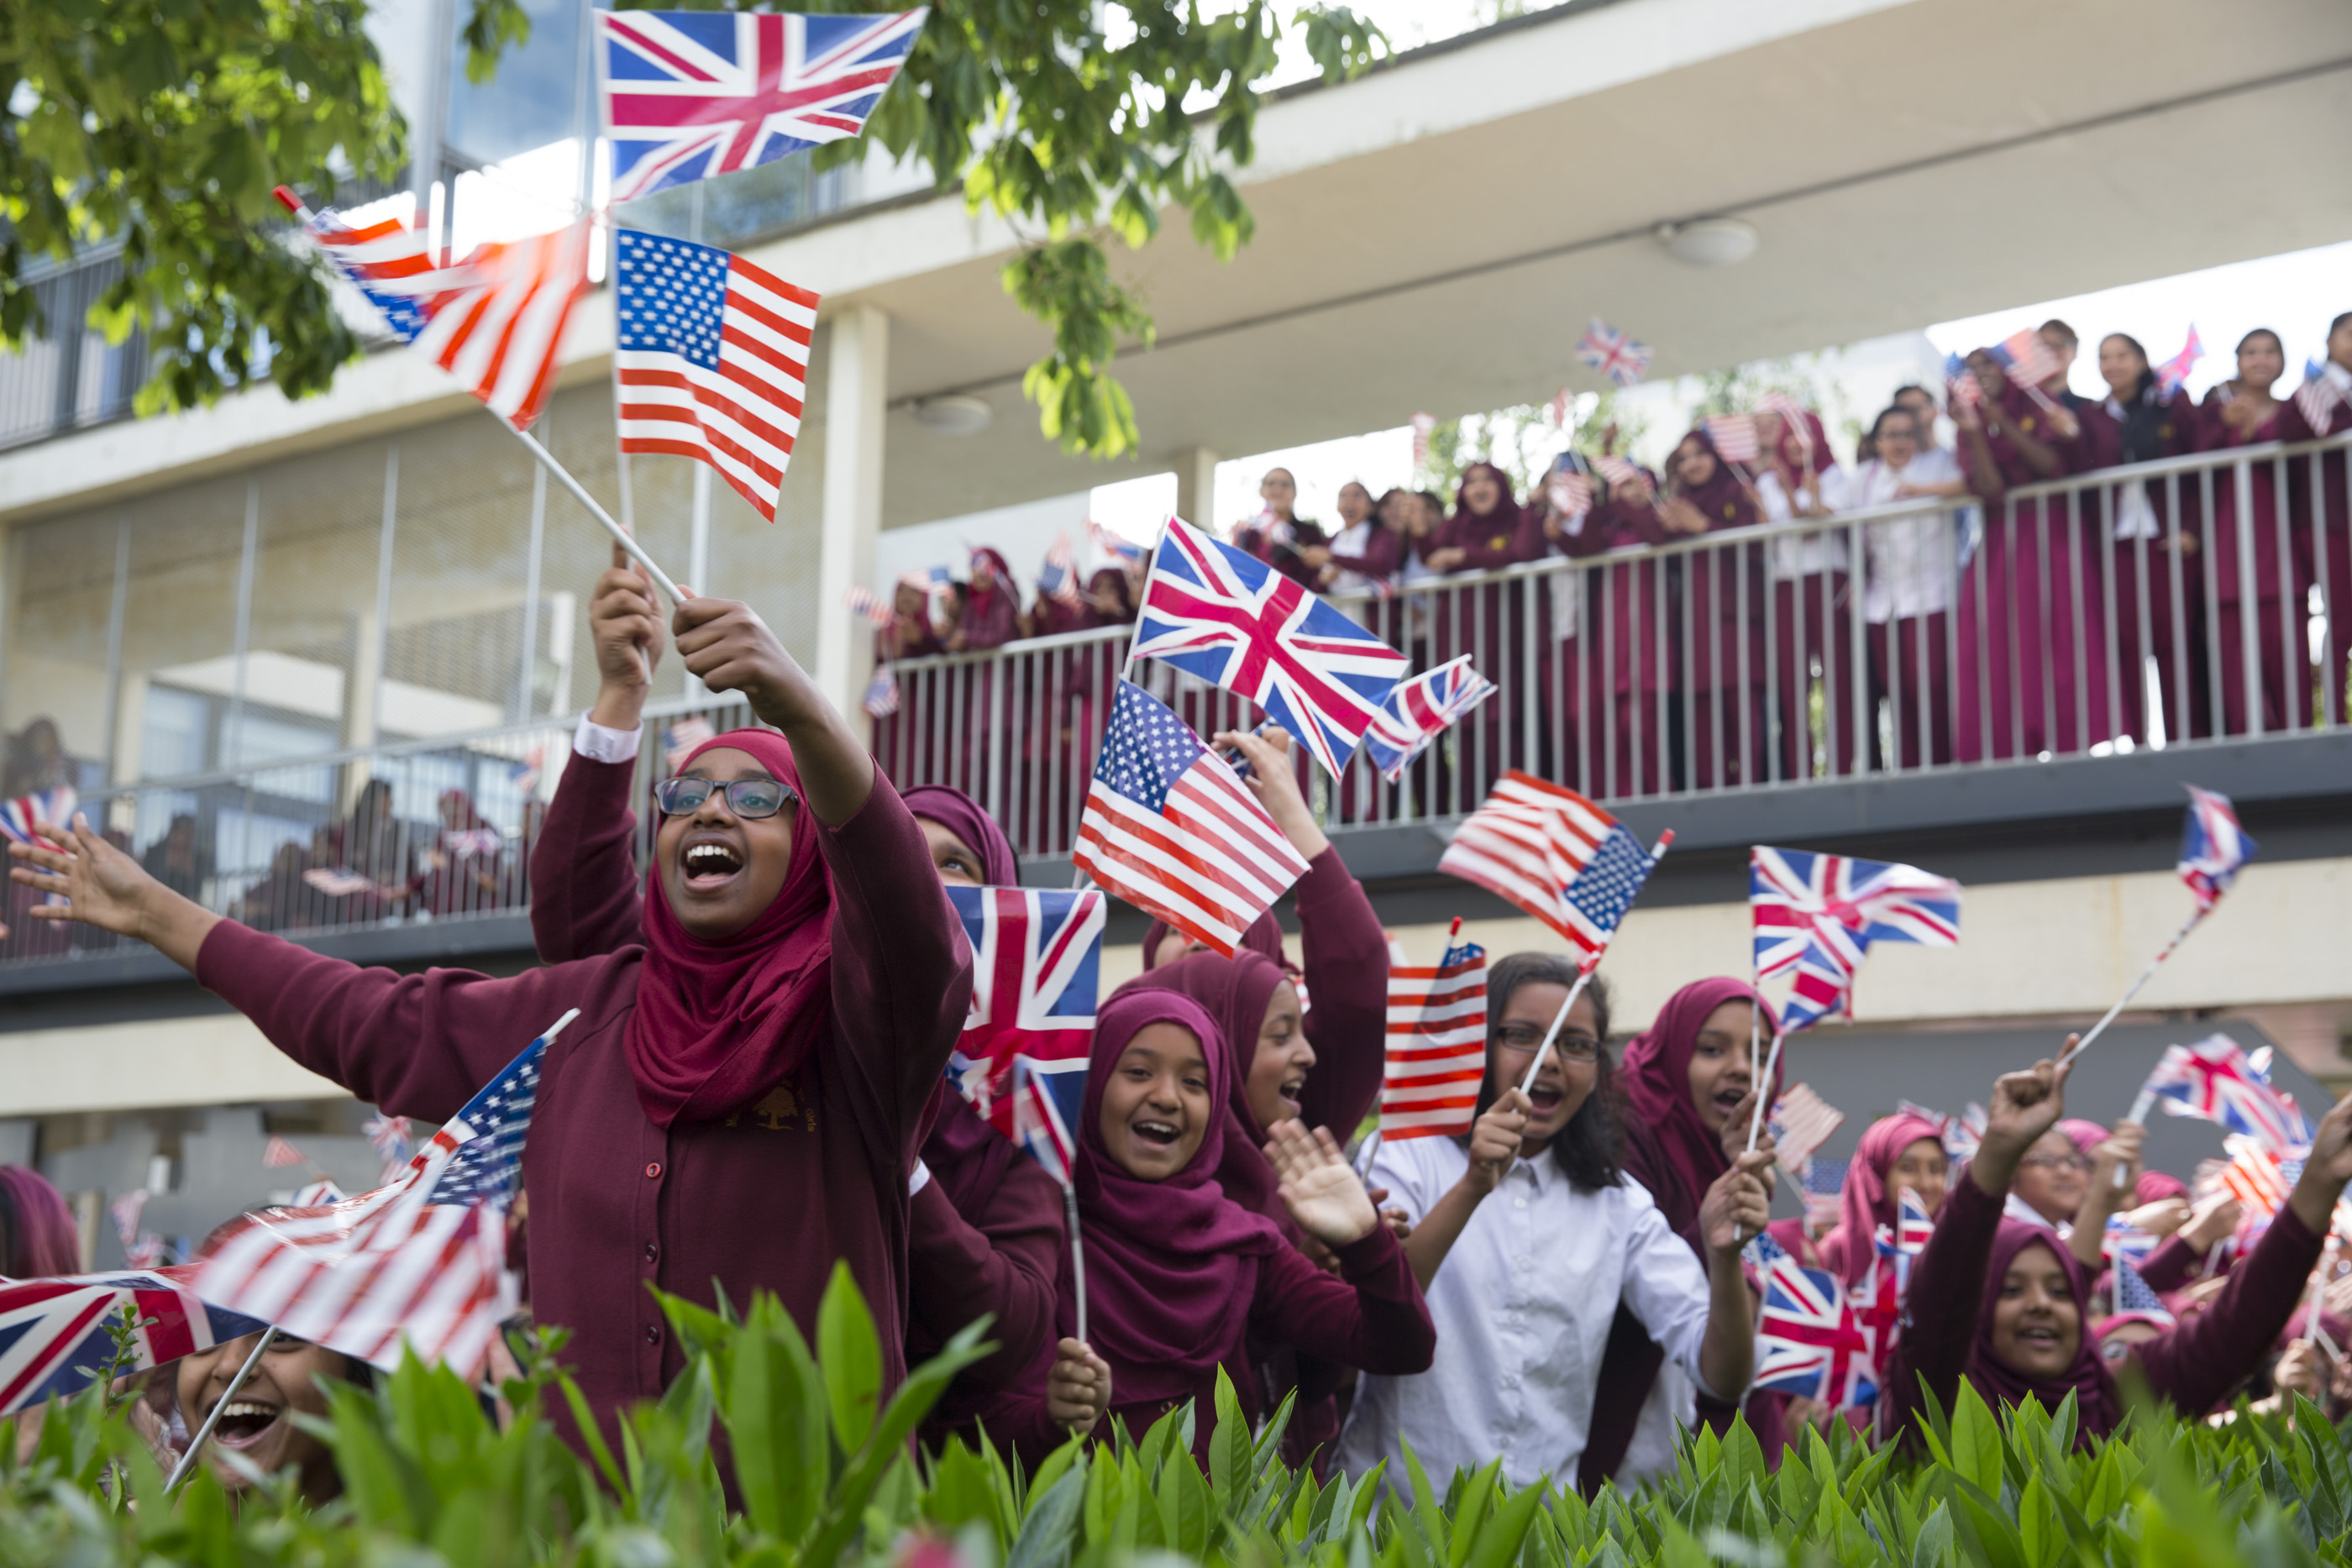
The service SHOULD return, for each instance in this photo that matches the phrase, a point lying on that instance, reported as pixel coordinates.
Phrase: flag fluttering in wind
(1425, 425)
(1057, 579)
(1792, 416)
(1117, 546)
(2259, 1177)
(1168, 828)
(689, 95)
(420, 1262)
(1961, 1134)
(2214, 848)
(22, 818)
(2025, 358)
(1818, 914)
(54, 1338)
(278, 1154)
(1734, 436)
(1612, 353)
(881, 698)
(1223, 615)
(868, 605)
(1436, 1044)
(2171, 375)
(1021, 1061)
(1801, 1122)
(2215, 1080)
(1809, 1339)
(1421, 708)
(2317, 398)
(1555, 854)
(711, 360)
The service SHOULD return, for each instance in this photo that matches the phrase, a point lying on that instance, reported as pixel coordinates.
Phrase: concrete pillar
(1196, 487)
(856, 373)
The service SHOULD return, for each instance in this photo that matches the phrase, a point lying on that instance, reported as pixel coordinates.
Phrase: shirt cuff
(599, 743)
(920, 1179)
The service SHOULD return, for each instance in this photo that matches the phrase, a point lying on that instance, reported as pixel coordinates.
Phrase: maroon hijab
(1671, 1152)
(2086, 1377)
(36, 1228)
(959, 814)
(720, 1024)
(1171, 1266)
(1723, 500)
(1263, 937)
(1235, 992)
(1865, 1203)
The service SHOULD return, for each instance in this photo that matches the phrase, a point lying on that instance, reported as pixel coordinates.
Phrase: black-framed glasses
(1523, 1039)
(746, 797)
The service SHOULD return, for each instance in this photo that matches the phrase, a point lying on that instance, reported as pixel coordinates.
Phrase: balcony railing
(1921, 638)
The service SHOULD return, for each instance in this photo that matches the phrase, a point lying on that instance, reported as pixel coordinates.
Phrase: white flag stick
(1077, 1255)
(1584, 973)
(2139, 1118)
(204, 1433)
(1763, 1083)
(621, 535)
(2145, 977)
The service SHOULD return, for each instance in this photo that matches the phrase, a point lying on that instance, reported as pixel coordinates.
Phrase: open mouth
(1544, 1098)
(1157, 1135)
(1291, 1089)
(1728, 1098)
(244, 1422)
(708, 862)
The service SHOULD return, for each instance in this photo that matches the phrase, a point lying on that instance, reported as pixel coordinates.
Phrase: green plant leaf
(851, 1354)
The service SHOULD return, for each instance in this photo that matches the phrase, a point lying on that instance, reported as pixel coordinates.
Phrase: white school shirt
(1807, 555)
(1522, 1306)
(1912, 561)
(2135, 516)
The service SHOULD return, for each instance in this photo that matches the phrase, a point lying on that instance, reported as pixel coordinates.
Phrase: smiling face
(257, 1425)
(1694, 462)
(1566, 1081)
(719, 870)
(1479, 491)
(1990, 379)
(1922, 409)
(2036, 1325)
(959, 864)
(2262, 361)
(2053, 1177)
(1155, 1103)
(1278, 1074)
(1926, 1169)
(1898, 438)
(1722, 1068)
(1279, 491)
(1355, 502)
(2121, 364)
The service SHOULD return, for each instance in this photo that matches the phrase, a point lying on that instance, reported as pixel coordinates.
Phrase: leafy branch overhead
(164, 126)
(1070, 119)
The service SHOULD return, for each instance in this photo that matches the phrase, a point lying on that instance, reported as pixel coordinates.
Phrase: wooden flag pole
(2145, 977)
(1584, 971)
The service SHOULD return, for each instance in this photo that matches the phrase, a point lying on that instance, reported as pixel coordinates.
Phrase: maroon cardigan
(763, 1200)
(1000, 1253)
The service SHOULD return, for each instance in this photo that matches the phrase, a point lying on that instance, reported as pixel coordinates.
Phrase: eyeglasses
(746, 797)
(2059, 1162)
(1523, 1039)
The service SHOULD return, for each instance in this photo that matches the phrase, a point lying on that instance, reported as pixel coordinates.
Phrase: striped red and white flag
(1436, 1044)
(278, 1154)
(1801, 1122)
(1734, 436)
(711, 360)
(2256, 1177)
(1527, 842)
(1792, 415)
(2318, 400)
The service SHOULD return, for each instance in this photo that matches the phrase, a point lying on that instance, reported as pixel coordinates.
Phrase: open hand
(1738, 1205)
(1736, 1122)
(102, 886)
(1318, 1186)
(1078, 1389)
(2213, 1221)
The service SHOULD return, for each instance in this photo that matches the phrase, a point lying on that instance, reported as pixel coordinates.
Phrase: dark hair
(1896, 398)
(2059, 329)
(2264, 332)
(1591, 1149)
(2127, 337)
(1891, 410)
(2338, 325)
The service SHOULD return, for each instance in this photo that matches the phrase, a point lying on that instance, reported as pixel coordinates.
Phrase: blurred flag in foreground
(1436, 1044)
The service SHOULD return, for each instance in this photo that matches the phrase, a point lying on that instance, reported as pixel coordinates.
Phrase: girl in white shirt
(1526, 1236)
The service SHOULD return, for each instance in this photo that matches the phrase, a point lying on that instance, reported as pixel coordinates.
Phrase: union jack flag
(688, 95)
(2215, 1080)
(2025, 358)
(1219, 613)
(54, 1339)
(1021, 1059)
(394, 1140)
(1436, 1045)
(1421, 708)
(421, 1261)
(22, 818)
(1961, 1134)
(1801, 1122)
(1057, 579)
(495, 321)
(1811, 1340)
(2171, 375)
(1553, 854)
(1117, 546)
(1733, 437)
(1612, 353)
(1900, 1243)
(1818, 914)
(2212, 846)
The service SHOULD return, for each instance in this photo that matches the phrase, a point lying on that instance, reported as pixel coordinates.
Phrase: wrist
(620, 704)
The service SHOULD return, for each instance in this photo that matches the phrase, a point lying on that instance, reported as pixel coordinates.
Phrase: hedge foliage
(826, 1478)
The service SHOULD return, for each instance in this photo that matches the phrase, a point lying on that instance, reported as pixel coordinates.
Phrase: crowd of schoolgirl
(753, 1089)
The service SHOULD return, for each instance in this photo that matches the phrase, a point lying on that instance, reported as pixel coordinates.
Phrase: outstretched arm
(103, 886)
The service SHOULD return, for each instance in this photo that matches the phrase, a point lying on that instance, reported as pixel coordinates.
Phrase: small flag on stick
(1421, 708)
(1436, 1043)
(1801, 1122)
(1612, 353)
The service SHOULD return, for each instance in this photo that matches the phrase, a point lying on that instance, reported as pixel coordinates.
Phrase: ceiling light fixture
(1709, 242)
(956, 413)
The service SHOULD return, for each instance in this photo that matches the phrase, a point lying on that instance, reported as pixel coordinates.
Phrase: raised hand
(2327, 1169)
(1318, 1186)
(1275, 785)
(624, 619)
(1737, 1204)
(1078, 1389)
(104, 887)
(2215, 1218)
(1494, 1140)
(1736, 1122)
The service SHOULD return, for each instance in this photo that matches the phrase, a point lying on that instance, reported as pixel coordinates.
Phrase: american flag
(2212, 846)
(2171, 375)
(21, 818)
(1021, 1059)
(1553, 854)
(1436, 1044)
(872, 606)
(1425, 425)
(1801, 1122)
(1792, 417)
(1612, 353)
(2215, 1080)
(1960, 382)
(2133, 1294)
(2258, 1177)
(679, 739)
(2025, 358)
(881, 698)
(2123, 1239)
(1734, 436)
(1117, 546)
(1557, 408)
(1824, 1191)
(1169, 828)
(54, 1339)
(278, 1154)
(1617, 470)
(711, 360)
(688, 95)
(1818, 914)
(2318, 399)
(1961, 1134)
(420, 1261)
(1219, 613)
(1057, 579)
(495, 321)
(1421, 708)
(1570, 492)
(1811, 1340)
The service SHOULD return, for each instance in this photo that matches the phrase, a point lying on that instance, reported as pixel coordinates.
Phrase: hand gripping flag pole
(1584, 971)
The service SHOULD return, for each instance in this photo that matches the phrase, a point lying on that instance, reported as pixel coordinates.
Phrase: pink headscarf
(36, 1230)
(1864, 1203)
(1682, 1156)
(720, 1024)
(2085, 1135)
(2154, 1187)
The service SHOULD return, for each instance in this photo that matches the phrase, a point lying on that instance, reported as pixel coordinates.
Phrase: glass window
(179, 627)
(534, 99)
(59, 604)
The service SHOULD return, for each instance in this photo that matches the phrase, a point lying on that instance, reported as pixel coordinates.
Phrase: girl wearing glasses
(1527, 1235)
(759, 1068)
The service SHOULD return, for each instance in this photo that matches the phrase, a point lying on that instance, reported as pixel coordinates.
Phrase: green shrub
(826, 1477)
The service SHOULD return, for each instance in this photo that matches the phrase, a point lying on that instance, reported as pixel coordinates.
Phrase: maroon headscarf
(720, 1024)
(1171, 1266)
(2086, 1377)
(36, 1228)
(959, 814)
(1263, 937)
(1235, 992)
(1685, 1158)
(1723, 500)
(2154, 1187)
(1503, 514)
(1864, 1203)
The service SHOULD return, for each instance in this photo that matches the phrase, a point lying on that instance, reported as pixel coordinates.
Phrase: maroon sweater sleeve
(1941, 1308)
(2197, 1363)
(1383, 555)
(1371, 1317)
(415, 1045)
(2172, 1265)
(586, 895)
(1005, 1262)
(1346, 955)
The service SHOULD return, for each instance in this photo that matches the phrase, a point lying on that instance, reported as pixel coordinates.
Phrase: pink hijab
(720, 1024)
(36, 1228)
(1864, 1203)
